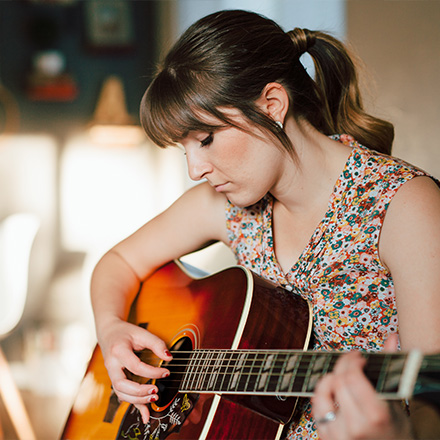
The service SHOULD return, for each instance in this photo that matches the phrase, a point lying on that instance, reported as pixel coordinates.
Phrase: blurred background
(77, 174)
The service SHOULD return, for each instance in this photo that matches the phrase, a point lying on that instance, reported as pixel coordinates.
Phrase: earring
(280, 124)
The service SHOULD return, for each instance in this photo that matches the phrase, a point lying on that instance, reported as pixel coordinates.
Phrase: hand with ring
(329, 416)
(346, 406)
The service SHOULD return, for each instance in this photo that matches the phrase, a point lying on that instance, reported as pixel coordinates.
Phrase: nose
(198, 167)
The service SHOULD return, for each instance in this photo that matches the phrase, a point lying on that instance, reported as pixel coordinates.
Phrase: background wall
(399, 43)
(313, 14)
(28, 27)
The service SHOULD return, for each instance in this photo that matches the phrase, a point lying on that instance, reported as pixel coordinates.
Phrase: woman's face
(243, 166)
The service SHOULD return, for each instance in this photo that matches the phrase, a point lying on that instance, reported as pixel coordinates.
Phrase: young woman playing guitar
(297, 180)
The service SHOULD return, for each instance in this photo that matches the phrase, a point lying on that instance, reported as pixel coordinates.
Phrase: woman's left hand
(346, 406)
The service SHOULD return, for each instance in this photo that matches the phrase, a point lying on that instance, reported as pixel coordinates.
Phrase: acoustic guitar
(239, 362)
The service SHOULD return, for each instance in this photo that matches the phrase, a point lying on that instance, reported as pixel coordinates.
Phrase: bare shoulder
(205, 206)
(204, 192)
(417, 201)
(192, 221)
(419, 191)
(199, 214)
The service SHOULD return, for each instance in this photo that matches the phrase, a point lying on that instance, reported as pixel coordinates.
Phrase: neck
(307, 182)
(290, 372)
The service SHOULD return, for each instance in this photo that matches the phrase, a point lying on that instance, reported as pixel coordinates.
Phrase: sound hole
(169, 387)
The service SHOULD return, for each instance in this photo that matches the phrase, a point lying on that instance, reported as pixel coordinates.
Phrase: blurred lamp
(111, 124)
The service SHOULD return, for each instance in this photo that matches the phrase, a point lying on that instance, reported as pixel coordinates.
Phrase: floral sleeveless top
(339, 272)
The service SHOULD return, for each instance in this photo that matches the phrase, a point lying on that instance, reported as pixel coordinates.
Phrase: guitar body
(230, 309)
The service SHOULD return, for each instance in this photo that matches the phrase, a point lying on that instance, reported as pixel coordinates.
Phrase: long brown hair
(226, 59)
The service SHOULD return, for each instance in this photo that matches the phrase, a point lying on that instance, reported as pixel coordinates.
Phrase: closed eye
(208, 140)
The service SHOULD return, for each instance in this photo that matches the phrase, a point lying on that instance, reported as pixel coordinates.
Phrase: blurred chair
(17, 234)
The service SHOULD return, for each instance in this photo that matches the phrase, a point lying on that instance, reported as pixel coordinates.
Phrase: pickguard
(161, 424)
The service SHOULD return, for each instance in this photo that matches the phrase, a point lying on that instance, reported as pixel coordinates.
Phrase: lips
(220, 187)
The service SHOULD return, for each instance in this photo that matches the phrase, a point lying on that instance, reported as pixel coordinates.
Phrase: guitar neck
(289, 373)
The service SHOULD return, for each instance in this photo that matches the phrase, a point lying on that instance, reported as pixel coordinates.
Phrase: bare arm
(410, 248)
(195, 219)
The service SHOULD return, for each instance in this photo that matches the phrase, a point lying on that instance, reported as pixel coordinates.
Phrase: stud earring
(280, 124)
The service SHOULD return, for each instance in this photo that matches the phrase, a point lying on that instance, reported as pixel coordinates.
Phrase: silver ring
(328, 417)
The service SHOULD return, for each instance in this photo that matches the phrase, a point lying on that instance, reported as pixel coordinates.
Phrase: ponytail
(336, 90)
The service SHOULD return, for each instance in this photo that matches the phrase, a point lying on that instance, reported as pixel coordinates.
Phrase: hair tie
(303, 39)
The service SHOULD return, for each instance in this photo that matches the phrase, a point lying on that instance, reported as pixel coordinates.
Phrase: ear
(274, 101)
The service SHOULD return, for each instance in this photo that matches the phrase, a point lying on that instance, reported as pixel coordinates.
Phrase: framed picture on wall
(108, 25)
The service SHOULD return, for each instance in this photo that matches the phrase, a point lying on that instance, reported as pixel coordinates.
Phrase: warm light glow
(121, 135)
(108, 193)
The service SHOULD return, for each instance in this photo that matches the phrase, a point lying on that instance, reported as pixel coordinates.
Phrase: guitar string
(299, 373)
(280, 357)
(225, 368)
(302, 369)
(295, 385)
(372, 362)
(203, 372)
(303, 354)
(218, 372)
(198, 368)
(372, 358)
(201, 381)
(271, 376)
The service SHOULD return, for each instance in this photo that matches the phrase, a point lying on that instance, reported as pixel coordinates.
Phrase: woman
(298, 184)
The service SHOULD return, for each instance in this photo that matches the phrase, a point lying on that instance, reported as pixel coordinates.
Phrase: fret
(236, 377)
(275, 372)
(265, 375)
(255, 371)
(197, 369)
(320, 367)
(383, 372)
(413, 365)
(216, 371)
(289, 376)
(281, 377)
(261, 382)
(373, 368)
(244, 372)
(189, 374)
(230, 370)
(225, 366)
(204, 373)
(201, 370)
(308, 364)
(394, 374)
(250, 375)
(247, 375)
(209, 365)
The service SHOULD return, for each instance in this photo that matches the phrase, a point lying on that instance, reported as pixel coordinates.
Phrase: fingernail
(154, 399)
(167, 353)
(166, 374)
(153, 391)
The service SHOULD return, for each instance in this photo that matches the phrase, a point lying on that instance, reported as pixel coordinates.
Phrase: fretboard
(290, 373)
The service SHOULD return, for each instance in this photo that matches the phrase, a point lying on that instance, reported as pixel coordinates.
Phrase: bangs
(171, 108)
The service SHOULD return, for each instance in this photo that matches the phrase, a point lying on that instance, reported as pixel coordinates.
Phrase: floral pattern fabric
(339, 272)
